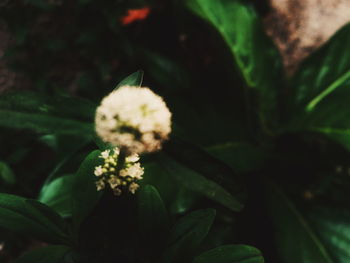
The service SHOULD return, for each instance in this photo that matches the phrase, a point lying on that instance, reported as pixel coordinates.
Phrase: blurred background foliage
(266, 151)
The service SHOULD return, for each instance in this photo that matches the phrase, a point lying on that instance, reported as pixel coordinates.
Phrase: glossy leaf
(231, 254)
(322, 90)
(152, 217)
(135, 79)
(187, 234)
(85, 195)
(197, 183)
(332, 225)
(177, 198)
(197, 161)
(6, 174)
(45, 114)
(323, 72)
(296, 241)
(241, 156)
(167, 72)
(58, 194)
(254, 53)
(49, 254)
(32, 218)
(331, 116)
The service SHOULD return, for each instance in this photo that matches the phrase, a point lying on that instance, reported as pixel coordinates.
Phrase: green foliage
(134, 79)
(6, 174)
(84, 194)
(302, 244)
(52, 254)
(254, 159)
(196, 182)
(153, 218)
(321, 90)
(187, 234)
(46, 114)
(58, 194)
(231, 254)
(254, 54)
(32, 218)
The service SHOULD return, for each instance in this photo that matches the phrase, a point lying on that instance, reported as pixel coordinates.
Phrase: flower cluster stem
(121, 160)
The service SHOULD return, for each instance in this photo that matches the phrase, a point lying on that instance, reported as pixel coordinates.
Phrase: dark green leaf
(187, 234)
(231, 254)
(295, 238)
(58, 194)
(6, 174)
(63, 115)
(331, 116)
(333, 227)
(322, 90)
(152, 214)
(323, 72)
(135, 79)
(43, 123)
(49, 254)
(200, 162)
(197, 183)
(167, 72)
(256, 57)
(85, 195)
(177, 198)
(241, 156)
(153, 218)
(31, 218)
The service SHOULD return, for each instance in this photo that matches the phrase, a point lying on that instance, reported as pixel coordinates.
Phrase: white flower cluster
(133, 118)
(118, 178)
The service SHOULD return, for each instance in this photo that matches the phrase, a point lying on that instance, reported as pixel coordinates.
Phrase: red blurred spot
(135, 14)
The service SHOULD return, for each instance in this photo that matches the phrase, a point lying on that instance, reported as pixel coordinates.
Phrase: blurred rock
(299, 27)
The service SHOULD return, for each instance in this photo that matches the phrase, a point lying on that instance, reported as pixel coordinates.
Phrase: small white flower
(109, 173)
(105, 154)
(134, 171)
(133, 187)
(100, 184)
(98, 170)
(134, 118)
(114, 181)
(132, 158)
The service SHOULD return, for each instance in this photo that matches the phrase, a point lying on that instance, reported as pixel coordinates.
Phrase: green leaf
(49, 254)
(6, 174)
(135, 79)
(323, 72)
(195, 162)
(331, 116)
(47, 114)
(32, 218)
(57, 194)
(296, 241)
(240, 156)
(333, 227)
(153, 218)
(254, 53)
(167, 72)
(187, 234)
(85, 195)
(231, 254)
(197, 183)
(177, 198)
(322, 90)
